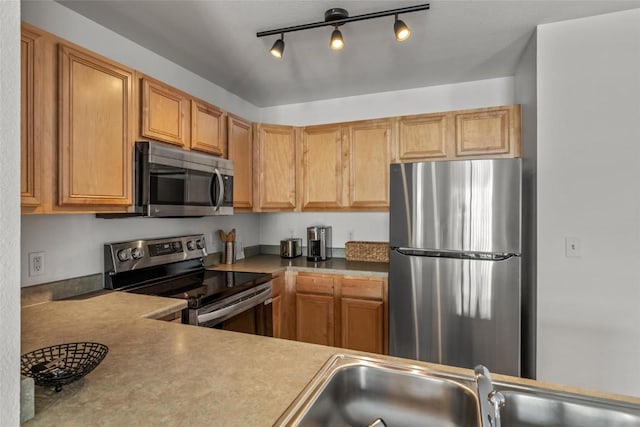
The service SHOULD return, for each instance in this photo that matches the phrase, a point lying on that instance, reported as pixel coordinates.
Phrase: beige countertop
(162, 373)
(275, 264)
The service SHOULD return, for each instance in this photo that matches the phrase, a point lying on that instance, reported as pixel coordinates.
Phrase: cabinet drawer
(362, 288)
(314, 284)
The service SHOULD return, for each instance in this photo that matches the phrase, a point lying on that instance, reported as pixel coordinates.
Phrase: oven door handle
(221, 195)
(236, 307)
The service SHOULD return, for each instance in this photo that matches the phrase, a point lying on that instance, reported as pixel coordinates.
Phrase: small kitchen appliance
(174, 267)
(318, 243)
(291, 248)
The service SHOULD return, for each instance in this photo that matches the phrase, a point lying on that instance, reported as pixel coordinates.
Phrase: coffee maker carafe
(318, 243)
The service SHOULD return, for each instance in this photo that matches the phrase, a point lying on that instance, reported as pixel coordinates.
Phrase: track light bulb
(402, 31)
(278, 48)
(336, 42)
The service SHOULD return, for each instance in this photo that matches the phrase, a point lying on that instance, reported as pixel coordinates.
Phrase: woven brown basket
(367, 251)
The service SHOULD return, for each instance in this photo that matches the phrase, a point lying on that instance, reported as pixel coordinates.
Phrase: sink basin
(351, 391)
(536, 407)
(357, 391)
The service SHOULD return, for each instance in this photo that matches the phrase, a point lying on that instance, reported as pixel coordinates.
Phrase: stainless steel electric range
(174, 267)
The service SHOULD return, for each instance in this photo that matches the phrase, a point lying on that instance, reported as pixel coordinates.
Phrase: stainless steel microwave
(171, 182)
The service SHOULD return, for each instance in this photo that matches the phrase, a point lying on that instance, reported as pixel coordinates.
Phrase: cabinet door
(240, 148)
(165, 113)
(362, 325)
(276, 174)
(488, 131)
(315, 319)
(96, 118)
(278, 305)
(422, 137)
(322, 167)
(30, 120)
(207, 128)
(369, 159)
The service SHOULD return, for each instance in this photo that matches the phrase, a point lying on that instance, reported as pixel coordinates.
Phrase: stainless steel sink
(351, 391)
(358, 391)
(534, 407)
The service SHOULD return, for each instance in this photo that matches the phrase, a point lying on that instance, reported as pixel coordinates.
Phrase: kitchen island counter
(164, 373)
(275, 264)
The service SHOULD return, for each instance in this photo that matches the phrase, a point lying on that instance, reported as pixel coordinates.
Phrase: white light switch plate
(572, 247)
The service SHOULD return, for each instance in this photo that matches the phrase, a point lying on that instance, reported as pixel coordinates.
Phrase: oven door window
(170, 185)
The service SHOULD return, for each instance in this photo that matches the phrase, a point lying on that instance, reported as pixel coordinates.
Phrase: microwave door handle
(221, 195)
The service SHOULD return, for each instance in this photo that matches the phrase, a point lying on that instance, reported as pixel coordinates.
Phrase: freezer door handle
(443, 253)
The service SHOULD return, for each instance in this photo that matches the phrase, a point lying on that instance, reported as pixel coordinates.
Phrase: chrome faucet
(490, 400)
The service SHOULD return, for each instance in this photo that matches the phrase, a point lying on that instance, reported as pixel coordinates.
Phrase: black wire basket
(62, 364)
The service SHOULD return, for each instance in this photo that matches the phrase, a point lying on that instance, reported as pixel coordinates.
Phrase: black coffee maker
(318, 243)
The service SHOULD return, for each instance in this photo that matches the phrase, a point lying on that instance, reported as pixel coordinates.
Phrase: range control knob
(136, 253)
(176, 246)
(200, 243)
(191, 245)
(123, 255)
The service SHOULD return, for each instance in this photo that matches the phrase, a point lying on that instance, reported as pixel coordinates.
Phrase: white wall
(57, 19)
(588, 175)
(10, 213)
(369, 226)
(460, 96)
(73, 244)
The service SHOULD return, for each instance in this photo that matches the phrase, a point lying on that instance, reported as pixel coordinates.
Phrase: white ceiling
(454, 41)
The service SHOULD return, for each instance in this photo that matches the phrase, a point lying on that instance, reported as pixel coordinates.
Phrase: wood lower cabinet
(240, 150)
(207, 128)
(342, 311)
(361, 325)
(165, 113)
(275, 160)
(96, 130)
(315, 317)
(30, 117)
(278, 305)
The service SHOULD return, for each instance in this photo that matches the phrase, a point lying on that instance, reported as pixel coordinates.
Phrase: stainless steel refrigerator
(454, 267)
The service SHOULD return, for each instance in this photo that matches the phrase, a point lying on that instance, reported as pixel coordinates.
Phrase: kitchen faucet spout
(490, 400)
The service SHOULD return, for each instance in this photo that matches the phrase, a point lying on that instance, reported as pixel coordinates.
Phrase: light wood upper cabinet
(275, 160)
(207, 128)
(30, 117)
(240, 150)
(369, 159)
(322, 167)
(165, 113)
(95, 130)
(488, 131)
(423, 137)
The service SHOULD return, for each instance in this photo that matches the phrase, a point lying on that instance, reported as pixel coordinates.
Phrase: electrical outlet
(36, 263)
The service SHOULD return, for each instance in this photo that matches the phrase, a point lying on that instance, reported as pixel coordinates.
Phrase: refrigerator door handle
(442, 253)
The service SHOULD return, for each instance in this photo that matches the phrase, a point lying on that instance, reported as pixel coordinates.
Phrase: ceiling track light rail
(336, 17)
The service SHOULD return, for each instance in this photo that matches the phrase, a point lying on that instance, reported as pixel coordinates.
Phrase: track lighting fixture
(336, 42)
(278, 47)
(336, 17)
(401, 30)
